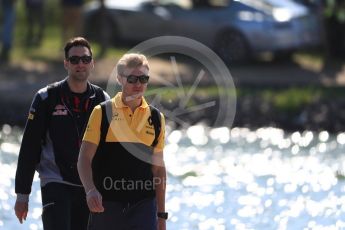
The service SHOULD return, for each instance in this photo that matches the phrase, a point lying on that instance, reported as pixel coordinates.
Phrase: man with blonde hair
(121, 158)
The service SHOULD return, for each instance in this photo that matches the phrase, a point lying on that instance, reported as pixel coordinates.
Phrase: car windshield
(262, 5)
(268, 6)
(190, 4)
(126, 4)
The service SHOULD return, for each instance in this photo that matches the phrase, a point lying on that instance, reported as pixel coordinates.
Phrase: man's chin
(80, 77)
(134, 96)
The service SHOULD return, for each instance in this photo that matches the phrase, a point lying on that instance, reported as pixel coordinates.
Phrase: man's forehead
(79, 49)
(137, 70)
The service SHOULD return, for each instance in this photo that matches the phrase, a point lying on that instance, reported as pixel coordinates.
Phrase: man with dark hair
(121, 161)
(51, 141)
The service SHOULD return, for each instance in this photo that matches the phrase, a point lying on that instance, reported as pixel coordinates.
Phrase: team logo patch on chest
(116, 117)
(149, 127)
(60, 110)
(149, 120)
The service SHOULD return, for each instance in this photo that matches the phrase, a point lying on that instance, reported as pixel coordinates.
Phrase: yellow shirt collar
(119, 103)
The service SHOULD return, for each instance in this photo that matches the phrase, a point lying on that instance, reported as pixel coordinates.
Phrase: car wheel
(231, 46)
(283, 56)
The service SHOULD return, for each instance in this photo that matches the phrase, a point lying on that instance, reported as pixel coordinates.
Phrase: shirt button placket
(130, 118)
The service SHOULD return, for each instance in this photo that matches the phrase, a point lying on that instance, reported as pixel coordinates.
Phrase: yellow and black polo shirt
(122, 165)
(125, 125)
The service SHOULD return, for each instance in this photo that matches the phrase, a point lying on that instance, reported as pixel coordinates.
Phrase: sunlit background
(279, 165)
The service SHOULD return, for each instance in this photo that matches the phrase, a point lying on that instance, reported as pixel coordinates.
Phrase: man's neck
(77, 86)
(131, 102)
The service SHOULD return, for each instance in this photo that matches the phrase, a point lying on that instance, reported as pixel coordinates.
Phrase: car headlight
(281, 15)
(250, 16)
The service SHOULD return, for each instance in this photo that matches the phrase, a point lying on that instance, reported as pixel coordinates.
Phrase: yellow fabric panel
(125, 125)
(93, 132)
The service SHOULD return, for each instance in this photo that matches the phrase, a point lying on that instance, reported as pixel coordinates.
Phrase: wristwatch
(163, 215)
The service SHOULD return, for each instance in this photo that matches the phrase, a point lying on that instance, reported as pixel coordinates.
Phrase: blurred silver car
(236, 30)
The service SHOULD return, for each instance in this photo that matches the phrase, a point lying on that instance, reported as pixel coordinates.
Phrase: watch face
(163, 215)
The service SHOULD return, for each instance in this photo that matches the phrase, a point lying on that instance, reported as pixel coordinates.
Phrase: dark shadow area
(275, 73)
(18, 86)
(332, 68)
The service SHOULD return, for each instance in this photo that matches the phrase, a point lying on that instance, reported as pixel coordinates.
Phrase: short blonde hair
(131, 61)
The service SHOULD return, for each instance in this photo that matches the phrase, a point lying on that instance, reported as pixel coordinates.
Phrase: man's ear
(118, 77)
(65, 64)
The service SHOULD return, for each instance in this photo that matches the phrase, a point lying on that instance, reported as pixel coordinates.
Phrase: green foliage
(290, 100)
(293, 99)
(286, 100)
(175, 93)
(336, 9)
(51, 47)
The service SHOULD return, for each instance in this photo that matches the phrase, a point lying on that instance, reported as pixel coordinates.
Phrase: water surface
(220, 178)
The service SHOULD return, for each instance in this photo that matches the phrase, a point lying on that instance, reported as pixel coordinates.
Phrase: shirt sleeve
(31, 146)
(93, 129)
(161, 139)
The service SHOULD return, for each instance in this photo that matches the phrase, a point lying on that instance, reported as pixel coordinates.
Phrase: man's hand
(21, 210)
(94, 201)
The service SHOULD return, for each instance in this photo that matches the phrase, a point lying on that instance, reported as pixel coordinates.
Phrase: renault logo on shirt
(150, 124)
(149, 120)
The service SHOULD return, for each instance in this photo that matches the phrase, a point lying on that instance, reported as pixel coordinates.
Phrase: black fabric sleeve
(30, 150)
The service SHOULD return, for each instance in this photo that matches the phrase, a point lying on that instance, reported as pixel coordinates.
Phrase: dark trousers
(64, 207)
(141, 215)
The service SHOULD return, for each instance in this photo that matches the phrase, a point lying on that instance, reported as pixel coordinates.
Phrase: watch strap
(163, 215)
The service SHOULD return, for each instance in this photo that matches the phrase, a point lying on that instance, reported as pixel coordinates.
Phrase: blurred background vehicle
(236, 30)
